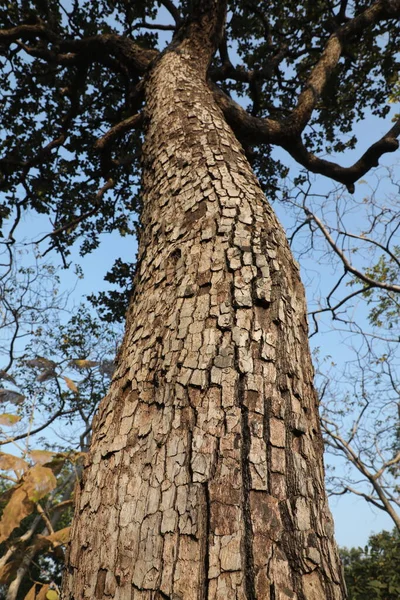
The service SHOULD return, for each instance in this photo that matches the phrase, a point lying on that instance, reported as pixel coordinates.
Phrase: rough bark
(205, 477)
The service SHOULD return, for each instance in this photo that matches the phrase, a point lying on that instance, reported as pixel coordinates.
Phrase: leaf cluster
(373, 572)
(65, 86)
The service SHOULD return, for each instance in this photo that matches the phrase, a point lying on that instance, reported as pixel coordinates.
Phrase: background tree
(49, 392)
(372, 572)
(356, 238)
(229, 470)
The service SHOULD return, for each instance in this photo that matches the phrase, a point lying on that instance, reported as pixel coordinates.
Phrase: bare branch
(344, 446)
(72, 224)
(348, 266)
(118, 130)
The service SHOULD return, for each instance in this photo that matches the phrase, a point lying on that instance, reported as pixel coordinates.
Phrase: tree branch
(348, 266)
(174, 12)
(117, 131)
(345, 175)
(329, 59)
(96, 48)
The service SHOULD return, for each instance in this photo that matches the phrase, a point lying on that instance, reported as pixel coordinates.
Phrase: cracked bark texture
(205, 479)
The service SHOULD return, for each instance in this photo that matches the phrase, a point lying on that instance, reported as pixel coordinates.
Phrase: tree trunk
(205, 478)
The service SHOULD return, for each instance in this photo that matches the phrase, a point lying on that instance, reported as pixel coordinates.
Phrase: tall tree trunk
(205, 477)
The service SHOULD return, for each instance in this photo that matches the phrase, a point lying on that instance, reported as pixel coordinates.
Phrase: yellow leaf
(38, 482)
(17, 508)
(8, 462)
(84, 364)
(71, 384)
(8, 419)
(41, 456)
(60, 537)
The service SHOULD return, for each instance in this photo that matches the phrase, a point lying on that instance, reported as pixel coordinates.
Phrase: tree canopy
(72, 93)
(373, 572)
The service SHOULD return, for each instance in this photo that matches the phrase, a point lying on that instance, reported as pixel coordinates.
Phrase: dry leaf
(38, 482)
(8, 419)
(42, 456)
(9, 571)
(71, 384)
(11, 396)
(42, 595)
(58, 538)
(41, 363)
(17, 508)
(84, 364)
(6, 376)
(8, 462)
(31, 595)
(46, 375)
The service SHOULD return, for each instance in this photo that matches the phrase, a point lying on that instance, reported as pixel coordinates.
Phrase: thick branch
(249, 129)
(173, 11)
(254, 131)
(118, 130)
(329, 59)
(95, 48)
(346, 175)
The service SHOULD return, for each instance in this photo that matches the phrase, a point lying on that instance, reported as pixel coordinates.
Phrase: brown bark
(205, 477)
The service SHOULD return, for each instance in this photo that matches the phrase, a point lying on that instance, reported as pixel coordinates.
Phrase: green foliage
(385, 306)
(373, 573)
